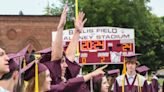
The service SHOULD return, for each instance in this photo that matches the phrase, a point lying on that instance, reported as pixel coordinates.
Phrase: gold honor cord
(24, 62)
(139, 85)
(36, 77)
(36, 74)
(123, 83)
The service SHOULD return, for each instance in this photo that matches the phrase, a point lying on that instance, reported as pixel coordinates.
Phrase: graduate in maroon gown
(10, 79)
(62, 66)
(155, 83)
(44, 79)
(112, 74)
(131, 81)
(100, 84)
(71, 83)
(143, 70)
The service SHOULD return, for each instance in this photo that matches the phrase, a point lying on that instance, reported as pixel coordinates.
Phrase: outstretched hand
(79, 22)
(99, 71)
(63, 17)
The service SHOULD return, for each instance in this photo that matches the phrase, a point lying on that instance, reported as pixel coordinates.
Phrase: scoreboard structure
(99, 45)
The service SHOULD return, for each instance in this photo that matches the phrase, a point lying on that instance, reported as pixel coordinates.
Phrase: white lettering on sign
(100, 33)
(103, 54)
(84, 55)
(127, 53)
(127, 41)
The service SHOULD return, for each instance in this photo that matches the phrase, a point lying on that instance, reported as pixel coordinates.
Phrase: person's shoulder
(3, 90)
(120, 77)
(141, 77)
(155, 77)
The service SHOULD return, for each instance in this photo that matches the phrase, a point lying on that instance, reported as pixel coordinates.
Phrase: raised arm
(79, 24)
(57, 48)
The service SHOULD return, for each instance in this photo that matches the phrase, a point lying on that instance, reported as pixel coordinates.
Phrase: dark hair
(97, 85)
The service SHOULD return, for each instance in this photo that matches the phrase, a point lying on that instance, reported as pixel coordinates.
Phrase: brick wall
(18, 31)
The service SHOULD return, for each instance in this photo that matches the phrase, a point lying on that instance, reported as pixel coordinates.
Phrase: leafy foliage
(149, 29)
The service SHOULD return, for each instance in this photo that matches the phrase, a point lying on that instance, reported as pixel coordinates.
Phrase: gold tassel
(36, 73)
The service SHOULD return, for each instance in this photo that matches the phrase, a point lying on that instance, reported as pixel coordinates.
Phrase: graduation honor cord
(123, 83)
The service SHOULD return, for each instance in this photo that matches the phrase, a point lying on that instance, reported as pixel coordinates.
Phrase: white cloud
(157, 7)
(29, 7)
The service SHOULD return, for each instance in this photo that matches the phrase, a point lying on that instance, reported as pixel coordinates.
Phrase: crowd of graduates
(57, 70)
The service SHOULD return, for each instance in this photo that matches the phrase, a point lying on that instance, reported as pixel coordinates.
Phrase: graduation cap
(129, 57)
(142, 70)
(30, 72)
(11, 55)
(17, 61)
(46, 54)
(13, 65)
(132, 57)
(18, 57)
(44, 51)
(113, 72)
(14, 62)
(34, 71)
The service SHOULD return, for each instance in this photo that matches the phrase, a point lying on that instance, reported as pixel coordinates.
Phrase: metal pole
(91, 81)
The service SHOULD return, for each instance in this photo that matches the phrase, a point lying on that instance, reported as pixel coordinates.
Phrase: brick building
(17, 31)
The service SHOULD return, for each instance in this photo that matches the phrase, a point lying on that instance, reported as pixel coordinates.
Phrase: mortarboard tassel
(24, 62)
(36, 74)
(24, 65)
(36, 78)
(123, 72)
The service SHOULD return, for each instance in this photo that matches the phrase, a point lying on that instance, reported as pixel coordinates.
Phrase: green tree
(149, 29)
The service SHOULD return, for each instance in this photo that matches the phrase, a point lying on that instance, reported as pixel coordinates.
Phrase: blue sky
(36, 7)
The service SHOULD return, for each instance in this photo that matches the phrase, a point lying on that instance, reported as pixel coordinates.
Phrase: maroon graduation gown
(155, 84)
(72, 83)
(134, 87)
(150, 87)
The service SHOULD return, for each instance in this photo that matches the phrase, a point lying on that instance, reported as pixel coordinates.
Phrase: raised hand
(63, 17)
(79, 22)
